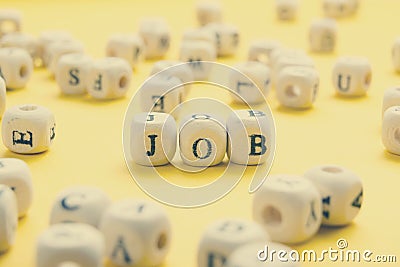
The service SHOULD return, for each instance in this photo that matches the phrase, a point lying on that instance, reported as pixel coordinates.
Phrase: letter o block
(202, 140)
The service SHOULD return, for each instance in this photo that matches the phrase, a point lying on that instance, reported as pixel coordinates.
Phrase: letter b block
(153, 138)
(248, 141)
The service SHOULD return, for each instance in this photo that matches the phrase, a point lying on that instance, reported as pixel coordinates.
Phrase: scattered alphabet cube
(12, 18)
(226, 38)
(153, 138)
(339, 8)
(199, 34)
(137, 233)
(79, 204)
(15, 174)
(352, 76)
(341, 191)
(391, 129)
(72, 244)
(297, 87)
(252, 83)
(260, 50)
(22, 40)
(223, 237)
(16, 67)
(28, 129)
(273, 207)
(195, 52)
(175, 68)
(286, 9)
(391, 97)
(46, 38)
(8, 218)
(323, 35)
(156, 36)
(109, 78)
(396, 54)
(71, 73)
(57, 49)
(127, 46)
(2, 96)
(208, 12)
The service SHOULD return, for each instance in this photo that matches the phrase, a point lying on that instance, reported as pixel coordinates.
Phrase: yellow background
(88, 146)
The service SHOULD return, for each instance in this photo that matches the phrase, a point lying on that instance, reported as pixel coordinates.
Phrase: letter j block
(248, 137)
(153, 138)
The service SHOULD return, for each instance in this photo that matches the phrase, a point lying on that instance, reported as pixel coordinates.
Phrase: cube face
(273, 208)
(156, 36)
(161, 93)
(339, 8)
(46, 38)
(8, 217)
(352, 76)
(226, 38)
(71, 73)
(127, 46)
(28, 129)
(391, 129)
(255, 90)
(202, 140)
(286, 9)
(57, 49)
(396, 54)
(16, 67)
(137, 233)
(22, 40)
(196, 51)
(260, 50)
(391, 98)
(297, 87)
(291, 59)
(341, 191)
(153, 138)
(15, 174)
(248, 137)
(75, 244)
(2, 96)
(199, 34)
(208, 12)
(323, 35)
(79, 204)
(223, 237)
(11, 18)
(109, 78)
(249, 255)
